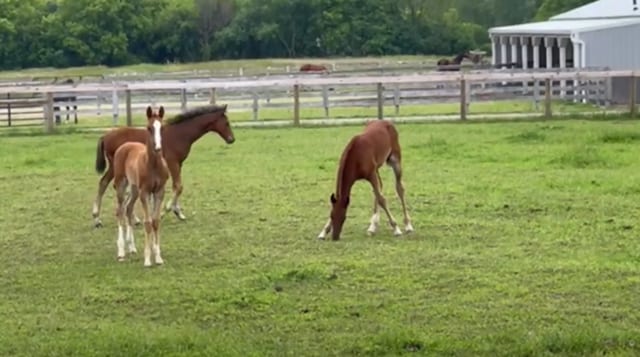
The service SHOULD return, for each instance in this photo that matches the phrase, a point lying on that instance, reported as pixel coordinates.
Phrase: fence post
(255, 106)
(463, 99)
(325, 100)
(547, 98)
(632, 96)
(129, 110)
(115, 106)
(183, 99)
(48, 113)
(212, 96)
(9, 109)
(609, 91)
(296, 104)
(396, 99)
(380, 101)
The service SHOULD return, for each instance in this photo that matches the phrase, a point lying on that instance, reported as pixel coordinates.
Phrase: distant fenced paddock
(35, 104)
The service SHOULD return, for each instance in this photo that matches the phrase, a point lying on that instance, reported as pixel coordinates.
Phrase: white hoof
(321, 236)
(408, 228)
(159, 261)
(371, 231)
(397, 231)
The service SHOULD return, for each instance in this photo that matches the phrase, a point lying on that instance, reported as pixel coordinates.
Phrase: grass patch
(618, 136)
(270, 114)
(582, 157)
(520, 249)
(250, 65)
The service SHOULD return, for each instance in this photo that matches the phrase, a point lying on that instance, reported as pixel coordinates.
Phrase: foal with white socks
(361, 159)
(143, 167)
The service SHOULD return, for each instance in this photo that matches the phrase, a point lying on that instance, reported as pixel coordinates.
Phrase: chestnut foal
(143, 167)
(361, 159)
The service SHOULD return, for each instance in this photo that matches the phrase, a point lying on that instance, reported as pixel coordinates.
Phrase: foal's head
(222, 127)
(338, 214)
(154, 126)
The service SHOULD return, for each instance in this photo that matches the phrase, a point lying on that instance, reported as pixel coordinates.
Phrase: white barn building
(604, 33)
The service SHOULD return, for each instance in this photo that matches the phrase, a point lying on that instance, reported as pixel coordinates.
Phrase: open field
(286, 114)
(223, 65)
(526, 244)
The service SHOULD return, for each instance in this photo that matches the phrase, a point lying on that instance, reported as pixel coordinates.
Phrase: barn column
(577, 63)
(535, 42)
(562, 44)
(524, 48)
(494, 51)
(514, 50)
(548, 44)
(577, 55)
(503, 50)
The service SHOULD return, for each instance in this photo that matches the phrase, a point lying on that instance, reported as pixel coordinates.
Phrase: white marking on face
(157, 125)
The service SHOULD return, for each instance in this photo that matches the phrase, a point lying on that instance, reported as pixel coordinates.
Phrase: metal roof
(562, 27)
(603, 9)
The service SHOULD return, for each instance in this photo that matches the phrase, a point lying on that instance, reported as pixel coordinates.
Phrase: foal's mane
(195, 112)
(343, 162)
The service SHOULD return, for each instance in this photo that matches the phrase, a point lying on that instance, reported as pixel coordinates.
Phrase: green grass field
(487, 108)
(526, 244)
(249, 65)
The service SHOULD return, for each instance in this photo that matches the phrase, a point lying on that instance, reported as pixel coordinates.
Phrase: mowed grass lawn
(526, 244)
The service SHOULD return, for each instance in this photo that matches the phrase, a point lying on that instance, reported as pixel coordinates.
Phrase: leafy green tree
(550, 8)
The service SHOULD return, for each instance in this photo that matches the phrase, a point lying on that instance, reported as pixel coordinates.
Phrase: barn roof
(597, 15)
(562, 27)
(602, 9)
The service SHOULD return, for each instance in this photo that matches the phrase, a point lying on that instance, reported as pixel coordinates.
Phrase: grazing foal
(361, 159)
(143, 167)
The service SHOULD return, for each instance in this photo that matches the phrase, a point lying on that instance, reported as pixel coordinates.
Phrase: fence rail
(46, 103)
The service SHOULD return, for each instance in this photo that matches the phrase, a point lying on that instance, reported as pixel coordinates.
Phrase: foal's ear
(149, 112)
(161, 112)
(333, 199)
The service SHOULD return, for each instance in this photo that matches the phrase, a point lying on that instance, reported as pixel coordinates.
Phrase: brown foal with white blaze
(143, 167)
(360, 160)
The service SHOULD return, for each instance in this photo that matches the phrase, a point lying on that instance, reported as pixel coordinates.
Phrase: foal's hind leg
(395, 164)
(375, 184)
(176, 180)
(131, 202)
(102, 188)
(120, 215)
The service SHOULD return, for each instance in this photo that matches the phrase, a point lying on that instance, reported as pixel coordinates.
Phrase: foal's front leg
(155, 223)
(325, 230)
(144, 200)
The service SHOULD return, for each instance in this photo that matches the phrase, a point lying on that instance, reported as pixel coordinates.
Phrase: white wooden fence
(36, 102)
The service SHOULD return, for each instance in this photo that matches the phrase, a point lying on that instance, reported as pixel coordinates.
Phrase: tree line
(62, 33)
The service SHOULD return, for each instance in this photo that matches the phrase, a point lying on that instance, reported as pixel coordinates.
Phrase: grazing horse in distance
(68, 98)
(178, 135)
(361, 158)
(142, 167)
(309, 67)
(445, 64)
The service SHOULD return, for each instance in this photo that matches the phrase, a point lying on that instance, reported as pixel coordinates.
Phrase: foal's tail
(101, 163)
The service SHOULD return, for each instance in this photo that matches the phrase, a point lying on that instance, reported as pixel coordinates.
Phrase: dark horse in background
(65, 99)
(309, 67)
(452, 65)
